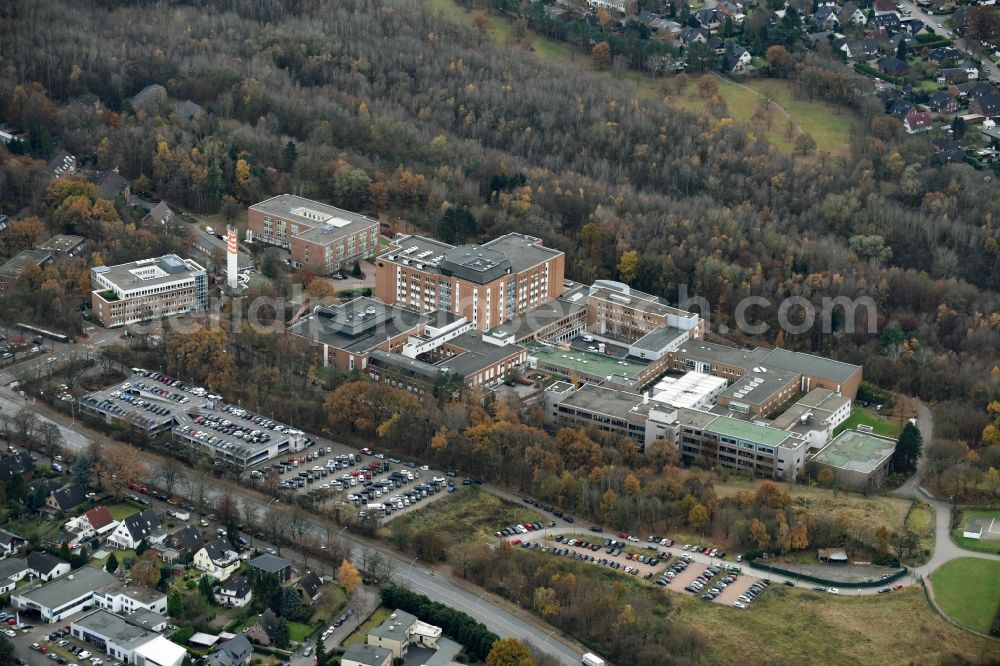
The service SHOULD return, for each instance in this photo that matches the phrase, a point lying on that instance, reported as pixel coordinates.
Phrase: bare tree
(169, 474)
(26, 422)
(250, 516)
(52, 440)
(276, 521)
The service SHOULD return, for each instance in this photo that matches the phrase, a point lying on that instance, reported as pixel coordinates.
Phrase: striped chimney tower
(232, 266)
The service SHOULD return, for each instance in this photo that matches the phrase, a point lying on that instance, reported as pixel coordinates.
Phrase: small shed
(973, 529)
(832, 555)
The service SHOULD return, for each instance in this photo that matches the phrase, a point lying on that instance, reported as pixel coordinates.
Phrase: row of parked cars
(677, 567)
(747, 597)
(523, 528)
(547, 508)
(706, 550)
(227, 427)
(703, 579)
(137, 386)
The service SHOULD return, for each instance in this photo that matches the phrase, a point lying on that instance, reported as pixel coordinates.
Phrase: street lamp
(480, 598)
(411, 565)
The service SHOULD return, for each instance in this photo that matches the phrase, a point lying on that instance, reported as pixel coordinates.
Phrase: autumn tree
(348, 576)
(118, 466)
(760, 534)
(600, 55)
(146, 569)
(628, 266)
(482, 25)
(779, 60)
(698, 517)
(825, 477)
(805, 143)
(509, 652)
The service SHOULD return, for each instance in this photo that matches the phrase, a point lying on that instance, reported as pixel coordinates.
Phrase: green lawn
(121, 511)
(798, 626)
(978, 545)
(360, 635)
(968, 590)
(880, 425)
(468, 514)
(298, 632)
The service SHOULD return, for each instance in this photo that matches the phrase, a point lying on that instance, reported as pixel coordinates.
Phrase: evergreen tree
(111, 565)
(141, 548)
(175, 604)
(290, 155)
(958, 127)
(757, 49)
(908, 446)
(281, 636)
(902, 50)
(356, 271)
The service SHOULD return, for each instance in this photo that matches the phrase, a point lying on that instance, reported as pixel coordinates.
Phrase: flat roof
(623, 294)
(366, 654)
(750, 432)
(856, 451)
(67, 588)
(759, 385)
(62, 243)
(149, 272)
(16, 264)
(358, 326)
(659, 338)
(591, 363)
(820, 402)
(115, 629)
(396, 626)
(322, 223)
(479, 354)
(271, 563)
(711, 352)
(602, 400)
(694, 418)
(687, 390)
(524, 252)
(808, 364)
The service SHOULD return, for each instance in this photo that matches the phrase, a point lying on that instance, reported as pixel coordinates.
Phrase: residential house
(692, 35)
(985, 105)
(94, 523)
(970, 68)
(737, 59)
(918, 121)
(12, 569)
(860, 49)
(111, 185)
(67, 498)
(183, 540)
(893, 66)
(945, 56)
(973, 89)
(883, 7)
(235, 591)
(309, 587)
(159, 214)
(45, 566)
(879, 33)
(900, 108)
(63, 244)
(717, 44)
(263, 631)
(140, 525)
(187, 111)
(901, 37)
(278, 566)
(10, 543)
(237, 651)
(18, 463)
(710, 19)
(401, 630)
(218, 559)
(851, 15)
(826, 18)
(942, 102)
(955, 75)
(913, 25)
(948, 156)
(62, 165)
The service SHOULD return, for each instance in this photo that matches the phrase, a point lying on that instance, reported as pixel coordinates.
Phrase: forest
(402, 112)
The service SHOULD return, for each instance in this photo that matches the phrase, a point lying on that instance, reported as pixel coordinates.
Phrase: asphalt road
(495, 613)
(960, 43)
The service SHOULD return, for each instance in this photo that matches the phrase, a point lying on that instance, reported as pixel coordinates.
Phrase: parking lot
(47, 644)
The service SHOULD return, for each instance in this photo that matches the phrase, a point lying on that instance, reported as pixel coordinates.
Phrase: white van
(587, 337)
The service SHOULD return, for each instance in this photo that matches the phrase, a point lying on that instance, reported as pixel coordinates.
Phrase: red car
(622, 535)
(515, 542)
(897, 586)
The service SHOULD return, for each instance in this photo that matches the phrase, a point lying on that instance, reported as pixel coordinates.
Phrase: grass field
(121, 511)
(468, 515)
(978, 545)
(880, 425)
(377, 618)
(298, 631)
(968, 590)
(786, 626)
(829, 126)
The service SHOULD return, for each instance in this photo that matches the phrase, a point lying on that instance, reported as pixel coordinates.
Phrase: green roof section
(592, 363)
(856, 451)
(750, 432)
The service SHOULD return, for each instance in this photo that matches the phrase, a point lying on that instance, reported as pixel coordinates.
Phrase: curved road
(498, 615)
(944, 548)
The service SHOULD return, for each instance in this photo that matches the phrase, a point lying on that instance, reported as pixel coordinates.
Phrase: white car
(425, 468)
(833, 590)
(634, 539)
(11, 633)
